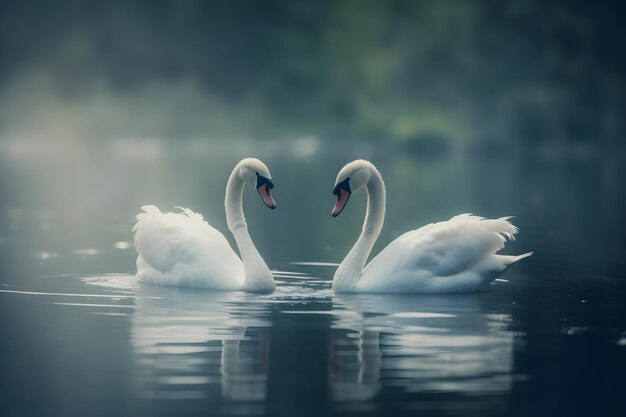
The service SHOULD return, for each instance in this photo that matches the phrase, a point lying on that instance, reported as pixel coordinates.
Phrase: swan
(458, 255)
(184, 250)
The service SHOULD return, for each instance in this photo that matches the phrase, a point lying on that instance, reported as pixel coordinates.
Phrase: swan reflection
(434, 343)
(194, 344)
(355, 365)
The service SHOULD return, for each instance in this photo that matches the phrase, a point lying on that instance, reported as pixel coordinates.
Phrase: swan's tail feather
(518, 258)
(466, 217)
(501, 226)
(191, 214)
(509, 260)
(148, 211)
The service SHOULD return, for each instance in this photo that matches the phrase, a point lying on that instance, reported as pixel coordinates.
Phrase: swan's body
(458, 255)
(184, 250)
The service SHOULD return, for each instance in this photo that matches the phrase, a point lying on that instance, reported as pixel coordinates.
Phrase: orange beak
(342, 198)
(266, 196)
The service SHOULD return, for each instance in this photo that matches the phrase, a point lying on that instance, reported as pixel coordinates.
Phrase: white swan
(184, 250)
(457, 255)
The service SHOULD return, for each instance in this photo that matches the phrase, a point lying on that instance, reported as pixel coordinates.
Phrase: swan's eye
(343, 185)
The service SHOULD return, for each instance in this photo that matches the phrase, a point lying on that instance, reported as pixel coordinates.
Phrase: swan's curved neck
(257, 277)
(348, 273)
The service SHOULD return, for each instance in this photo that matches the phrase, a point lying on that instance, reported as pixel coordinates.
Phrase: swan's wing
(453, 255)
(183, 249)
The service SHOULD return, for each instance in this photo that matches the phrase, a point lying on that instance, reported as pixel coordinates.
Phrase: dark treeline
(476, 71)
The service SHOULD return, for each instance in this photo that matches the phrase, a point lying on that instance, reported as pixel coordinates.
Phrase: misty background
(471, 72)
(491, 107)
(485, 106)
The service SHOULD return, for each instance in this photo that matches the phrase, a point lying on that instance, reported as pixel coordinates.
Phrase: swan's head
(256, 174)
(350, 179)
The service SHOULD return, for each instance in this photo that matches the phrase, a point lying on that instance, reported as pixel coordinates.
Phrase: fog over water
(483, 107)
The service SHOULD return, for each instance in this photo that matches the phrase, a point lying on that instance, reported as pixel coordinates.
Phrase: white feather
(457, 255)
(182, 249)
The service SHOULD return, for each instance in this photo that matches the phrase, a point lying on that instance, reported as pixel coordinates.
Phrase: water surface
(80, 335)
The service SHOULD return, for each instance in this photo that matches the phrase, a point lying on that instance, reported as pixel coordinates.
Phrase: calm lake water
(79, 336)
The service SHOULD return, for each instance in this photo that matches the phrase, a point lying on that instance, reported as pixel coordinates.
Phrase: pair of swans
(458, 255)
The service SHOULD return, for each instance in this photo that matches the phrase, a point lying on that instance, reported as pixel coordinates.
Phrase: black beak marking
(343, 185)
(261, 180)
